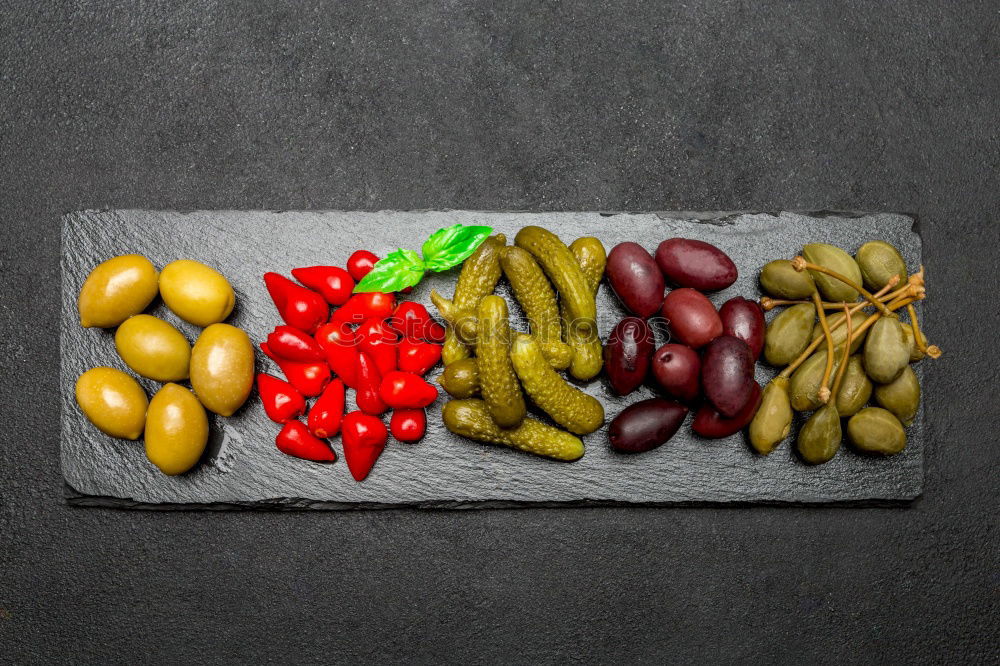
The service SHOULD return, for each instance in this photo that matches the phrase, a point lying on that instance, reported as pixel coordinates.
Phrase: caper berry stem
(847, 351)
(918, 338)
(868, 323)
(800, 264)
(824, 391)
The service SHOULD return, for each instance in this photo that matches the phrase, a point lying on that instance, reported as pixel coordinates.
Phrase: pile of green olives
(219, 367)
(818, 291)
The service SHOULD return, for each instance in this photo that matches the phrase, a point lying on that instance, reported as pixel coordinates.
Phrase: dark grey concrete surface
(537, 105)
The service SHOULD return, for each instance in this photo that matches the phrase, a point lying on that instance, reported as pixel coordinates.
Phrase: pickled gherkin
(534, 293)
(471, 418)
(497, 381)
(588, 355)
(567, 405)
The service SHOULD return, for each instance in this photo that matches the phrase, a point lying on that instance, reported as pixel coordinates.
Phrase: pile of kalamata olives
(708, 365)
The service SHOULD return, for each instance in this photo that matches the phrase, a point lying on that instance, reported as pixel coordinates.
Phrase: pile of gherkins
(842, 346)
(492, 372)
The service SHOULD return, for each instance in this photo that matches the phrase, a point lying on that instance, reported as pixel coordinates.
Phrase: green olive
(153, 348)
(176, 430)
(112, 401)
(839, 334)
(779, 279)
(773, 420)
(875, 430)
(886, 352)
(833, 258)
(820, 436)
(222, 368)
(789, 334)
(804, 387)
(901, 396)
(196, 293)
(117, 289)
(878, 262)
(855, 388)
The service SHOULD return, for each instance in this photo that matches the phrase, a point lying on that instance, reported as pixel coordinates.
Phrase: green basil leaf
(451, 246)
(401, 269)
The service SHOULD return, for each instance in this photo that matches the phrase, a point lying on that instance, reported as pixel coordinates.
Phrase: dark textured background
(536, 105)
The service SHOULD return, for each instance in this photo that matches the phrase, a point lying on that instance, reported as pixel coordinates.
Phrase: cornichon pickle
(567, 405)
(588, 356)
(835, 259)
(878, 262)
(789, 334)
(478, 277)
(876, 430)
(773, 420)
(839, 334)
(564, 272)
(855, 388)
(820, 436)
(497, 380)
(901, 396)
(780, 280)
(534, 293)
(886, 352)
(461, 378)
(804, 386)
(471, 418)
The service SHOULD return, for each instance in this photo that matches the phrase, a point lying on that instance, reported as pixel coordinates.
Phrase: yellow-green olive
(196, 293)
(153, 348)
(112, 401)
(222, 368)
(117, 289)
(176, 429)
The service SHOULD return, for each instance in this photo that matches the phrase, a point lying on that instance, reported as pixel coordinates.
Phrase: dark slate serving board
(242, 467)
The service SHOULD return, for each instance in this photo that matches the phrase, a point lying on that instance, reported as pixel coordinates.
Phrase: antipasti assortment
(519, 348)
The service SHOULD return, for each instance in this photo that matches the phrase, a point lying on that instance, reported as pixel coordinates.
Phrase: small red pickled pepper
(282, 401)
(293, 344)
(296, 440)
(366, 305)
(417, 356)
(332, 282)
(366, 393)
(408, 425)
(309, 378)
(337, 340)
(299, 307)
(327, 412)
(377, 340)
(405, 390)
(361, 264)
(364, 439)
(411, 320)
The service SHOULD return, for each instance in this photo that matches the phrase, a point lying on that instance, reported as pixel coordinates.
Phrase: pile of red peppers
(371, 344)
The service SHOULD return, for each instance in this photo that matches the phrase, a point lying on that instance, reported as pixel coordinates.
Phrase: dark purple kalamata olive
(744, 319)
(696, 264)
(677, 369)
(635, 278)
(692, 318)
(708, 422)
(646, 425)
(727, 374)
(627, 354)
